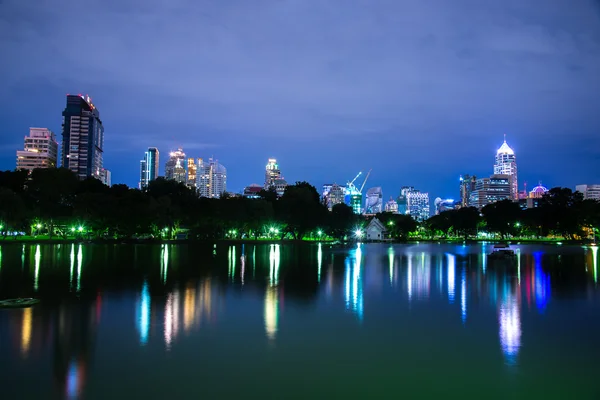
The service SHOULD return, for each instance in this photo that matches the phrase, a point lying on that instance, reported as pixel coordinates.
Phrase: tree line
(55, 203)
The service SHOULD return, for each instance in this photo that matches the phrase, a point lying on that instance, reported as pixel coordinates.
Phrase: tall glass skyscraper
(83, 137)
(211, 179)
(506, 164)
(175, 166)
(149, 167)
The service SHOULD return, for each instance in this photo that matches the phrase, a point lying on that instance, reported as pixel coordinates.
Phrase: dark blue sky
(419, 91)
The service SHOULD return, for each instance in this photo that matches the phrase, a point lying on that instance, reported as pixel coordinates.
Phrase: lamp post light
(358, 233)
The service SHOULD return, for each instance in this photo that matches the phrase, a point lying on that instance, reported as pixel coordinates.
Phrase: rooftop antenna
(505, 138)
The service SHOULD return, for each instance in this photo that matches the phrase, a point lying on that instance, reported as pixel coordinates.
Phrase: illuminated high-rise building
(83, 137)
(333, 194)
(467, 186)
(40, 150)
(417, 205)
(211, 179)
(175, 166)
(149, 167)
(374, 200)
(490, 190)
(191, 172)
(506, 164)
(272, 173)
(391, 206)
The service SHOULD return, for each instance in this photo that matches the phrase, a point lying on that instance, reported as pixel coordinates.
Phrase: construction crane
(354, 195)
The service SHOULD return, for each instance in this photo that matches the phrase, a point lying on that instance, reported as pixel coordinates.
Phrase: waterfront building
(375, 230)
(105, 177)
(211, 179)
(252, 191)
(40, 150)
(83, 137)
(467, 186)
(149, 167)
(417, 204)
(590, 192)
(506, 164)
(490, 190)
(391, 206)
(442, 205)
(333, 194)
(191, 172)
(374, 200)
(175, 166)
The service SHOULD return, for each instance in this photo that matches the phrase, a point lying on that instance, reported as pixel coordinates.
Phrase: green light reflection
(79, 264)
(164, 261)
(595, 261)
(72, 260)
(319, 262)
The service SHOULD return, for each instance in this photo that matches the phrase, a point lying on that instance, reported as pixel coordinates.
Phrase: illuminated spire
(505, 148)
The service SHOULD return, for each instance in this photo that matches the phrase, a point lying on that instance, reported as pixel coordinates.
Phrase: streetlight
(72, 229)
(391, 223)
(358, 233)
(320, 232)
(80, 229)
(38, 226)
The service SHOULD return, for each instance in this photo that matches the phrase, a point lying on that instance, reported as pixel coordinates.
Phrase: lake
(290, 321)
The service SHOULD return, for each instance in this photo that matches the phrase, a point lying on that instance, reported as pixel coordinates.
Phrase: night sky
(419, 91)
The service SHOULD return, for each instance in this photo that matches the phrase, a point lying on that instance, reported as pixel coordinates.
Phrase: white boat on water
(502, 252)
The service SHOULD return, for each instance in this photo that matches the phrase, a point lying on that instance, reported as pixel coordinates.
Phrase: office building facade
(40, 150)
(417, 204)
(83, 137)
(149, 167)
(506, 164)
(175, 166)
(211, 179)
(490, 190)
(590, 192)
(374, 201)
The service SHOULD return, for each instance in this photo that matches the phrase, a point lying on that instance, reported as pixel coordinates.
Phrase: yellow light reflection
(319, 261)
(271, 312)
(26, 331)
(189, 308)
(36, 274)
(274, 260)
(79, 264)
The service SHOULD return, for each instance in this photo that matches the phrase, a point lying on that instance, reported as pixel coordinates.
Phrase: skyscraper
(40, 150)
(149, 167)
(489, 190)
(467, 186)
(191, 172)
(506, 164)
(83, 137)
(174, 167)
(374, 200)
(417, 204)
(272, 173)
(211, 179)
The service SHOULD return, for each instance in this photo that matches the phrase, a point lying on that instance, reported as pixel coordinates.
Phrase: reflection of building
(467, 186)
(417, 204)
(212, 179)
(374, 201)
(490, 190)
(174, 167)
(506, 164)
(442, 205)
(589, 191)
(40, 150)
(391, 206)
(83, 137)
(149, 167)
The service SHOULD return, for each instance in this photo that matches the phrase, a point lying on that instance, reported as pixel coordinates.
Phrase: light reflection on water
(364, 272)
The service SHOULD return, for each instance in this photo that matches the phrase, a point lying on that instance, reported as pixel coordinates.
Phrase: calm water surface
(299, 322)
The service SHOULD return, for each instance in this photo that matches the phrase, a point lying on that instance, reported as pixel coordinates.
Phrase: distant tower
(506, 164)
(174, 167)
(272, 173)
(40, 150)
(211, 179)
(83, 137)
(149, 167)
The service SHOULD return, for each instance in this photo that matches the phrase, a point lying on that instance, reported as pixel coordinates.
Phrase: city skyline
(359, 90)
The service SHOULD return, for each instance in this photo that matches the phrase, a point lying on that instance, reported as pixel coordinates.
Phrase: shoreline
(36, 241)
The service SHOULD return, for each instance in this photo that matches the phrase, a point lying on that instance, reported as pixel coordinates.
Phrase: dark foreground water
(299, 322)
